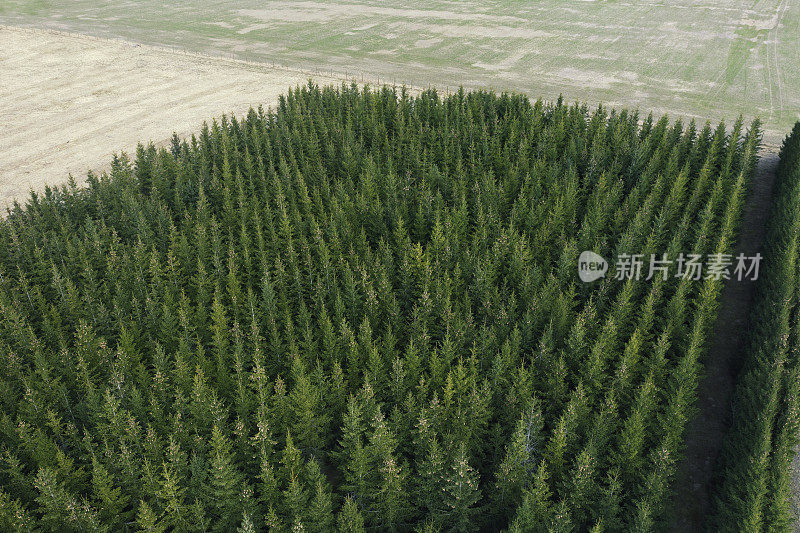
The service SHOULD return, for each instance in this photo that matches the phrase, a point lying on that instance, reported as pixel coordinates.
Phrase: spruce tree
(461, 494)
(225, 487)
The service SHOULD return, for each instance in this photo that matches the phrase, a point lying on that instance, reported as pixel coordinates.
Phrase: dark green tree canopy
(361, 311)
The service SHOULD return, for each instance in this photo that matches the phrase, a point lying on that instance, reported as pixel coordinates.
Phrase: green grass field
(714, 59)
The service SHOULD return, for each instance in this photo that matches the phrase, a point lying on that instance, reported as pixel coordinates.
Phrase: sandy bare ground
(68, 102)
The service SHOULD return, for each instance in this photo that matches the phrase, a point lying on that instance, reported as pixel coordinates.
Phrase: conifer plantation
(755, 488)
(361, 311)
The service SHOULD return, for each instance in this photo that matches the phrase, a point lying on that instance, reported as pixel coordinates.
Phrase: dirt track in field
(68, 102)
(706, 432)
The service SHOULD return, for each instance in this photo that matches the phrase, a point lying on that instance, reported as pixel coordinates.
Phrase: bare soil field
(69, 102)
(709, 60)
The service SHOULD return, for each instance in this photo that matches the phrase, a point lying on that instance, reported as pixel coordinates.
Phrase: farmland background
(69, 102)
(713, 60)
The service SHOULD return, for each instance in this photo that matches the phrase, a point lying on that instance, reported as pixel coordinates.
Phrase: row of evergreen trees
(755, 493)
(362, 312)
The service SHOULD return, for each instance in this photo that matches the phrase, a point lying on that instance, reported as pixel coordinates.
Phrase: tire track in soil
(694, 484)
